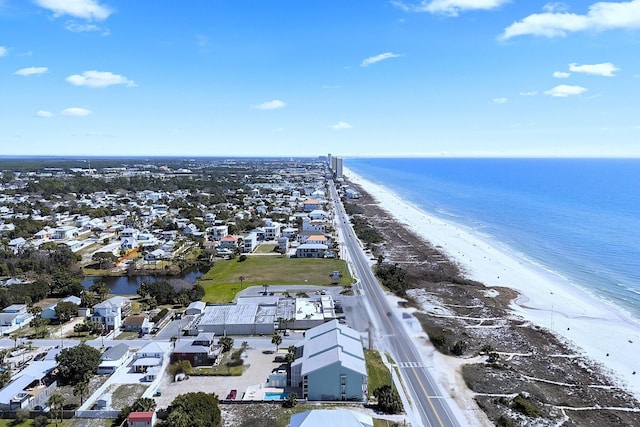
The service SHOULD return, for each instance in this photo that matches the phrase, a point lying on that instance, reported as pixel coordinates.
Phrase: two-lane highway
(425, 396)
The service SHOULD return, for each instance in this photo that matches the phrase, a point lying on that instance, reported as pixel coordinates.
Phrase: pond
(128, 285)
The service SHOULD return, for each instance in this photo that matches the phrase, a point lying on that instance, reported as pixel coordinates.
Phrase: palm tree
(56, 402)
(15, 337)
(80, 389)
(277, 340)
(5, 377)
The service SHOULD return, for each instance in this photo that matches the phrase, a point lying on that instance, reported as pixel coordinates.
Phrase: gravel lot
(258, 366)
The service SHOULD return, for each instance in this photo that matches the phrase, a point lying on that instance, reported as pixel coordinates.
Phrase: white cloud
(270, 105)
(561, 74)
(565, 90)
(74, 27)
(76, 111)
(3, 51)
(606, 69)
(90, 10)
(378, 58)
(44, 114)
(601, 16)
(530, 93)
(449, 7)
(555, 7)
(99, 79)
(500, 100)
(340, 126)
(30, 71)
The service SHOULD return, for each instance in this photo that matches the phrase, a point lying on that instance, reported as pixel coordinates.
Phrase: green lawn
(377, 372)
(266, 248)
(221, 283)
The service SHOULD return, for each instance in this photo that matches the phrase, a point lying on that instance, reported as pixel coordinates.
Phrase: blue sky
(297, 78)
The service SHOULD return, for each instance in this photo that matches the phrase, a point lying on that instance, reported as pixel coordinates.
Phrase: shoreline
(599, 332)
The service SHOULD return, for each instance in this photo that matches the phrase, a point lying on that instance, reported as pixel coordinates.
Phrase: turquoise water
(275, 396)
(579, 218)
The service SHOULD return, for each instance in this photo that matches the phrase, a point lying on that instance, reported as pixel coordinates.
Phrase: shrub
(526, 407)
(439, 340)
(459, 348)
(158, 317)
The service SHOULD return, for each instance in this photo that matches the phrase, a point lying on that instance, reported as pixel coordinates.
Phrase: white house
(65, 232)
(219, 231)
(250, 243)
(318, 214)
(311, 250)
(330, 364)
(113, 358)
(141, 419)
(151, 355)
(111, 312)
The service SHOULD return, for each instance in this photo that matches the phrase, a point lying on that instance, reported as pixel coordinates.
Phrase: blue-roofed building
(331, 417)
(30, 388)
(330, 364)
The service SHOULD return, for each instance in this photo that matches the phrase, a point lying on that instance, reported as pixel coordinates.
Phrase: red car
(232, 395)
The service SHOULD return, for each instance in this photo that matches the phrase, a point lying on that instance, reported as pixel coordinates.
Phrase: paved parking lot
(259, 367)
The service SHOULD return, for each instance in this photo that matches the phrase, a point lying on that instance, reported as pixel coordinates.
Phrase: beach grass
(222, 281)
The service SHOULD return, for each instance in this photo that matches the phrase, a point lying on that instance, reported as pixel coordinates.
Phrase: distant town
(135, 290)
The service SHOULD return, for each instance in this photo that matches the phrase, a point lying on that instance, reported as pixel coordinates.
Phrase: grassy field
(377, 372)
(222, 282)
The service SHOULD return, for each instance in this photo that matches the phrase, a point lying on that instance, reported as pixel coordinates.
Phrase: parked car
(232, 395)
(279, 359)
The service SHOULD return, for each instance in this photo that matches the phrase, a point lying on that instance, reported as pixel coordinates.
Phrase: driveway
(258, 366)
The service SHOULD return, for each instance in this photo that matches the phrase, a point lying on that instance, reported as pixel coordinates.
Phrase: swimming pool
(270, 395)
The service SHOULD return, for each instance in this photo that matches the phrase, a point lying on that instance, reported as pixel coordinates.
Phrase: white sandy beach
(547, 300)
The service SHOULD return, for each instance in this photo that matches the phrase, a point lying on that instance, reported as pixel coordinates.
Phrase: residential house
(311, 250)
(141, 419)
(151, 355)
(199, 351)
(313, 225)
(209, 246)
(111, 312)
(50, 311)
(318, 214)
(330, 364)
(314, 238)
(219, 231)
(65, 232)
(29, 388)
(311, 205)
(137, 323)
(12, 317)
(113, 358)
(17, 243)
(272, 231)
(155, 255)
(290, 232)
(250, 243)
(283, 244)
(229, 242)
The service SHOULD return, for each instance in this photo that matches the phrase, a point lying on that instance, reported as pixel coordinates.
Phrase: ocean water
(579, 218)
